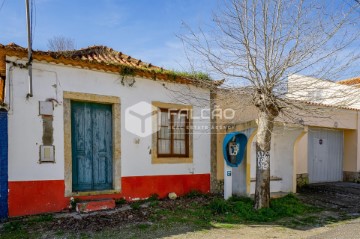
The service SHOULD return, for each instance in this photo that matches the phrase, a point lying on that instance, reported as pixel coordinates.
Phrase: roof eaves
(148, 71)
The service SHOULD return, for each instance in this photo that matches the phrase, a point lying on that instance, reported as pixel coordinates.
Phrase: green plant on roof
(127, 71)
(171, 74)
(195, 75)
(153, 74)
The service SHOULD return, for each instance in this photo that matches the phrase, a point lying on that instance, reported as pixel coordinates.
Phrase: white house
(72, 138)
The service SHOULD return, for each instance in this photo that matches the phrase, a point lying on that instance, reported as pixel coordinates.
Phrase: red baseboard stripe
(35, 197)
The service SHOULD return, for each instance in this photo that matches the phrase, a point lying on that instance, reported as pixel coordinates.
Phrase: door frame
(116, 137)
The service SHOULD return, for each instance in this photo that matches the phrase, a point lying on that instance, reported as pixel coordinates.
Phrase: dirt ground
(342, 197)
(340, 201)
(339, 218)
(252, 232)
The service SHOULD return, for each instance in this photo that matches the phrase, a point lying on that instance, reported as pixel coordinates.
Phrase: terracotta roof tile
(105, 59)
(352, 81)
(329, 105)
(2, 86)
(100, 54)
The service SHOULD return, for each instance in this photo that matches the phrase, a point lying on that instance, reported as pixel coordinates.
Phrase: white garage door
(325, 155)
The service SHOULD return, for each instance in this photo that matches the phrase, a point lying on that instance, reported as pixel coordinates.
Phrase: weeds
(126, 70)
(136, 205)
(120, 201)
(196, 75)
(194, 193)
(153, 197)
(194, 211)
(73, 202)
(12, 226)
(242, 208)
(154, 203)
(219, 206)
(41, 218)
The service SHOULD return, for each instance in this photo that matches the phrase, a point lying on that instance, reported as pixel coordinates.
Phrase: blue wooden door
(91, 127)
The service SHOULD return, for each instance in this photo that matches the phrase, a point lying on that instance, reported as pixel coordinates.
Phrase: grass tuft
(219, 206)
(242, 208)
(41, 218)
(12, 226)
(194, 194)
(120, 201)
(153, 197)
(193, 212)
(136, 205)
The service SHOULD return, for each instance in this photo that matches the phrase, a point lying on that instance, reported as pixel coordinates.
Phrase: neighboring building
(329, 149)
(316, 148)
(72, 139)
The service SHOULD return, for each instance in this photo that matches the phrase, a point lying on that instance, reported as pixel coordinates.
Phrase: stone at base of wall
(217, 186)
(351, 176)
(302, 180)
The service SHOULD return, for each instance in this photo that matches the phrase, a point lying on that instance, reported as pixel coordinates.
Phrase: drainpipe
(29, 63)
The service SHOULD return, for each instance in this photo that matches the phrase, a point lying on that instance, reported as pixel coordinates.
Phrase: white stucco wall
(301, 155)
(281, 159)
(49, 81)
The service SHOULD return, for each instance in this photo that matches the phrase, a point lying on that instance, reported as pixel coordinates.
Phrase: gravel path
(349, 230)
(252, 232)
(343, 230)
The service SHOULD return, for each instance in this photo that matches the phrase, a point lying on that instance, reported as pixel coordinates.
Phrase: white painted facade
(322, 91)
(281, 163)
(50, 81)
(281, 160)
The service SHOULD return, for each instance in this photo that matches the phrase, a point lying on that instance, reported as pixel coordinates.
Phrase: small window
(173, 136)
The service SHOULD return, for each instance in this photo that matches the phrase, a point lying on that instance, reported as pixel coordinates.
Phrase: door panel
(320, 159)
(91, 146)
(81, 147)
(325, 155)
(102, 146)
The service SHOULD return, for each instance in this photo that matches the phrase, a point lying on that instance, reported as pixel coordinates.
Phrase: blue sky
(144, 29)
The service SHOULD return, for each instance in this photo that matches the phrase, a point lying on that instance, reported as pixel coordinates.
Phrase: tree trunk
(263, 144)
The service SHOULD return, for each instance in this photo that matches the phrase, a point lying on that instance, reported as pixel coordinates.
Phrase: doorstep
(95, 205)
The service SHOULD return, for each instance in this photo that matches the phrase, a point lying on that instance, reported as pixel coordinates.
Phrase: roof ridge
(98, 53)
(90, 52)
(109, 60)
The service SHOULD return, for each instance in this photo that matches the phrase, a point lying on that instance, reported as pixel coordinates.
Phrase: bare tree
(259, 43)
(61, 44)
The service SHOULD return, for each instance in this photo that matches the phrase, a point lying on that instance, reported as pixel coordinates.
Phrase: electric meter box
(47, 154)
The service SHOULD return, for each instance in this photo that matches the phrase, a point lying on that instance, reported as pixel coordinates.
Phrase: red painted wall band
(35, 197)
